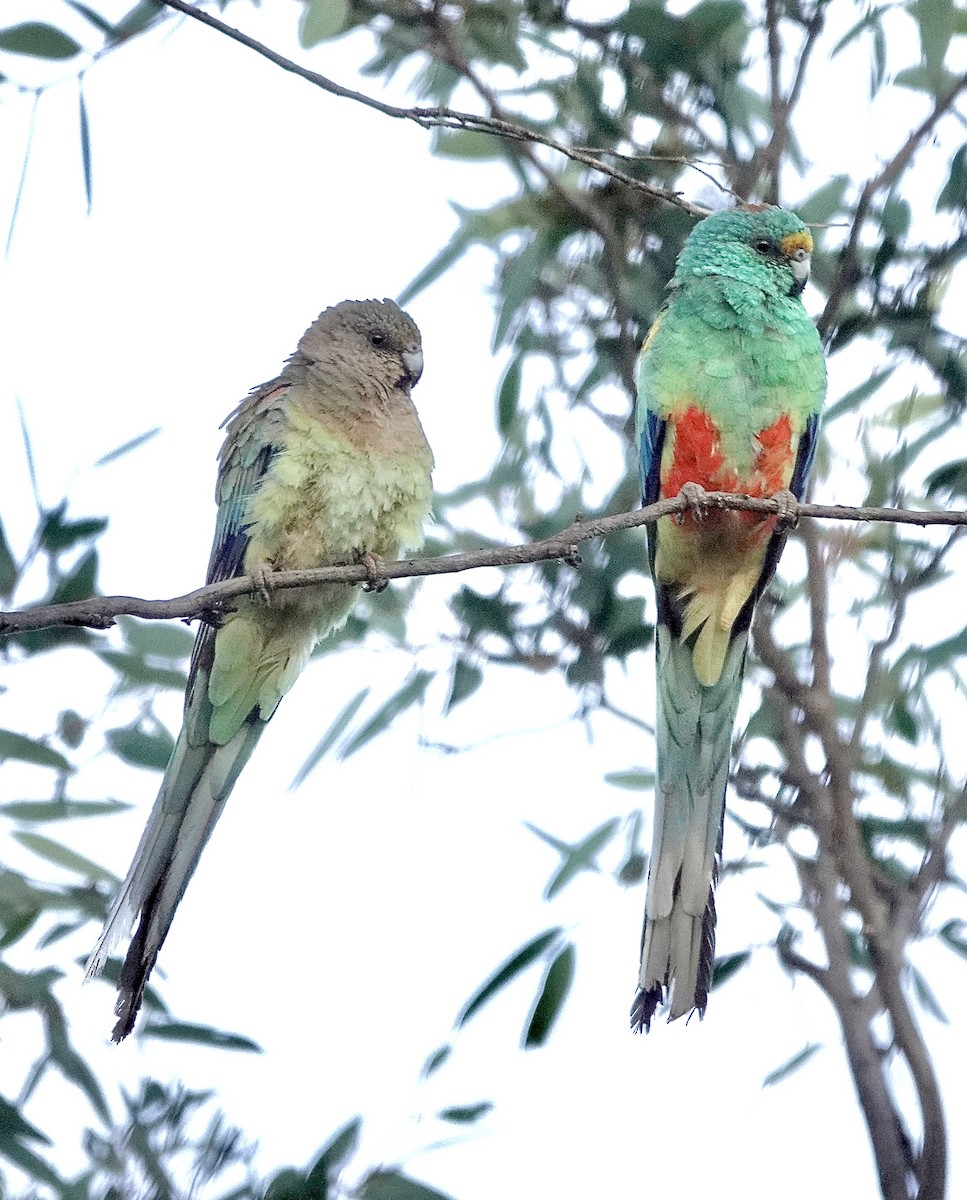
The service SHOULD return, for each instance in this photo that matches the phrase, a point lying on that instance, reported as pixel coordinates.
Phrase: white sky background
(343, 926)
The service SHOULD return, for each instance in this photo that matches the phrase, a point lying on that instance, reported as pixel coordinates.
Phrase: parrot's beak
(413, 362)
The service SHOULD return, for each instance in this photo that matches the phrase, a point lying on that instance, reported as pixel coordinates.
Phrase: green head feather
(765, 248)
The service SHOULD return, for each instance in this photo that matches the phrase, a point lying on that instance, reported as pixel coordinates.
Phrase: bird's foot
(788, 509)
(697, 499)
(375, 581)
(260, 577)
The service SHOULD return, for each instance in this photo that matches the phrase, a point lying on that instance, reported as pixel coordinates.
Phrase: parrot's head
(768, 248)
(374, 334)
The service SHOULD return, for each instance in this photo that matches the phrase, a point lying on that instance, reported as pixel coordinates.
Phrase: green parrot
(324, 464)
(731, 380)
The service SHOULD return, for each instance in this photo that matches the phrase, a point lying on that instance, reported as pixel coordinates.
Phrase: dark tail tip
(135, 971)
(644, 1008)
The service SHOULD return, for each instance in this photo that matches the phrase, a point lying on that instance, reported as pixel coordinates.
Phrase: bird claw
(697, 499)
(260, 577)
(788, 510)
(375, 580)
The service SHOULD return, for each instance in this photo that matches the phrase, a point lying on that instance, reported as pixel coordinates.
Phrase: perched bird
(323, 465)
(731, 380)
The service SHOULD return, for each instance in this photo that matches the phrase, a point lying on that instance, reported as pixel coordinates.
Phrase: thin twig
(445, 118)
(849, 272)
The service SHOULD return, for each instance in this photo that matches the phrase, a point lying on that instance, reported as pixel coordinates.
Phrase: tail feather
(196, 785)
(694, 738)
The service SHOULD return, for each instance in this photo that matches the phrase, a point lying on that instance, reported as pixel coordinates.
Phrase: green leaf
(58, 534)
(155, 639)
(580, 857)
(791, 1065)
(134, 672)
(197, 1035)
(14, 1131)
(127, 447)
(322, 19)
(634, 781)
(79, 584)
(290, 1184)
(925, 995)
(465, 1114)
(25, 749)
(38, 40)
(508, 395)
(85, 136)
(727, 965)
(952, 934)
(936, 20)
(63, 856)
(71, 1065)
(466, 144)
(141, 748)
(329, 739)
(507, 972)
(9, 570)
(412, 692)
(900, 720)
(825, 203)
(954, 193)
(60, 810)
(859, 395)
(435, 1061)
(451, 253)
(466, 679)
(95, 18)
(137, 19)
(394, 1185)
(339, 1149)
(551, 998)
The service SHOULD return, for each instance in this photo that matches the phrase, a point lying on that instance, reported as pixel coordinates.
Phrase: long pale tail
(694, 741)
(197, 782)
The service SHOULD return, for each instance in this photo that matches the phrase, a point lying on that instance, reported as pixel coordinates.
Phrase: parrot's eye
(763, 245)
(376, 339)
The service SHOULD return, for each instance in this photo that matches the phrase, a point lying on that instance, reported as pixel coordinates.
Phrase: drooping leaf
(337, 1152)
(507, 972)
(551, 997)
(9, 570)
(63, 856)
(127, 447)
(394, 1185)
(60, 810)
(791, 1065)
(25, 749)
(412, 692)
(197, 1035)
(727, 965)
(435, 1061)
(141, 747)
(37, 39)
(329, 739)
(465, 1114)
(321, 20)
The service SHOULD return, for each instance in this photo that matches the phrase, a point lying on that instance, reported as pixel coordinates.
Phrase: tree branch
(850, 272)
(99, 612)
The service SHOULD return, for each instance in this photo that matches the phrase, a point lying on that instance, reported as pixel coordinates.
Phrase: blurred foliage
(710, 102)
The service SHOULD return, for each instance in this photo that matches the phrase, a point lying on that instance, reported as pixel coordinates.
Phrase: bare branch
(100, 611)
(849, 272)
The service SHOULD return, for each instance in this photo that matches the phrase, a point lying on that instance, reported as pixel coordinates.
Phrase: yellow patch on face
(796, 241)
